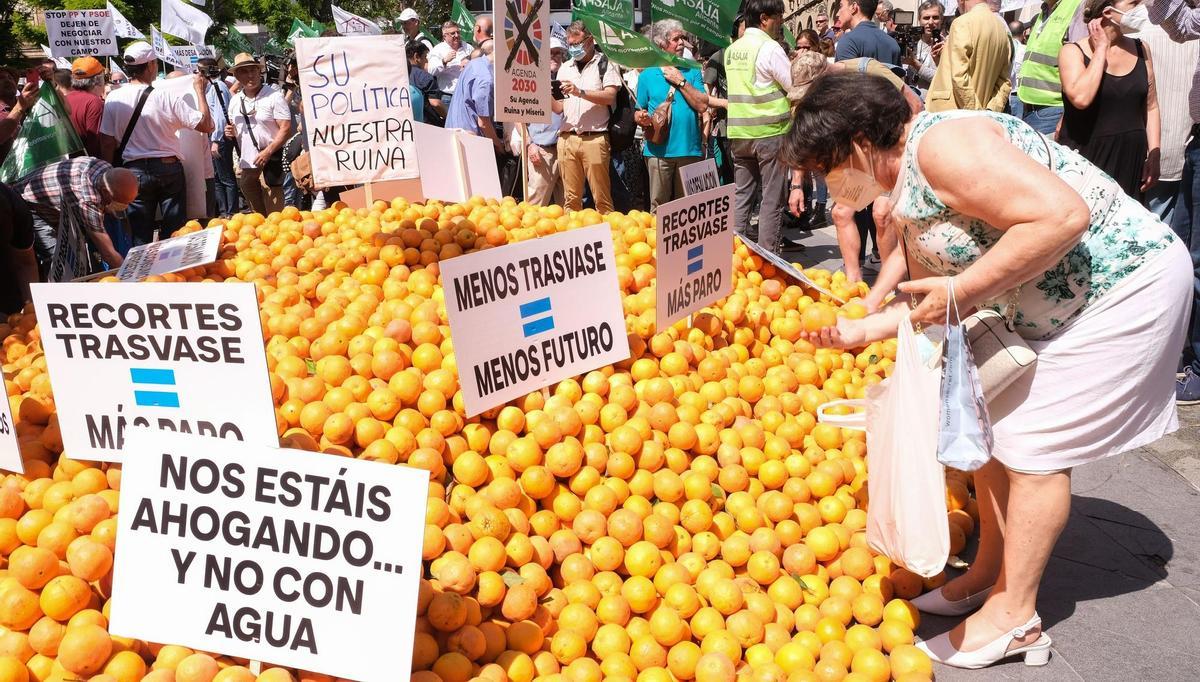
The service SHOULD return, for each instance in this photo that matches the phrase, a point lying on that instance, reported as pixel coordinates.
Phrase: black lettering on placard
(695, 289)
(685, 227)
(486, 286)
(559, 351)
(107, 432)
(562, 265)
(248, 625)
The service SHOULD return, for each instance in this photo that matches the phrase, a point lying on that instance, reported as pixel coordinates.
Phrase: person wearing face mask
(1079, 268)
(1110, 108)
(86, 185)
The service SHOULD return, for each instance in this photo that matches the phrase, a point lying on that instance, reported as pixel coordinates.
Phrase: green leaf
(312, 366)
(511, 578)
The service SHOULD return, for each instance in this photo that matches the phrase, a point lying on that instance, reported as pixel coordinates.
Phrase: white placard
(184, 356)
(171, 255)
(298, 558)
(10, 449)
(357, 109)
(122, 26)
(695, 254)
(194, 53)
(164, 51)
(465, 163)
(59, 62)
(526, 315)
(786, 268)
(699, 177)
(81, 33)
(522, 61)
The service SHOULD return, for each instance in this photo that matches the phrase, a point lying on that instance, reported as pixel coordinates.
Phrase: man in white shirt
(150, 147)
(261, 122)
(447, 59)
(410, 24)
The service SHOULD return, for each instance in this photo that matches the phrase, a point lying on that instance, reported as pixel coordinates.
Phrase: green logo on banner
(710, 20)
(462, 16)
(46, 136)
(615, 12)
(630, 48)
(303, 30)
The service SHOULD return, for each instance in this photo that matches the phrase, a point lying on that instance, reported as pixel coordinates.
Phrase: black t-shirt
(714, 77)
(420, 79)
(16, 234)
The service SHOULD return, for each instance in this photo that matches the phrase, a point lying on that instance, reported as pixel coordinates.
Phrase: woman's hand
(846, 334)
(796, 202)
(1098, 37)
(1150, 170)
(933, 299)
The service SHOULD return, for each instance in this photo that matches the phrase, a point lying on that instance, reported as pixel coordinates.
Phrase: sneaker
(873, 259)
(1187, 389)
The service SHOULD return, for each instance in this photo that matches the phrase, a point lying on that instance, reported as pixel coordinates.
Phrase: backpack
(621, 127)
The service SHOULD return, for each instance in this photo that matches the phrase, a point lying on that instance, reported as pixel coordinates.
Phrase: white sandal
(1035, 653)
(936, 603)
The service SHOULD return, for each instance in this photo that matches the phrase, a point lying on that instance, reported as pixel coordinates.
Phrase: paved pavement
(1121, 594)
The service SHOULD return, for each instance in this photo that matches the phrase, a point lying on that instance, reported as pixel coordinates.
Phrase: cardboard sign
(787, 268)
(10, 449)
(466, 164)
(81, 33)
(699, 177)
(526, 315)
(695, 254)
(298, 558)
(523, 61)
(184, 357)
(357, 109)
(171, 255)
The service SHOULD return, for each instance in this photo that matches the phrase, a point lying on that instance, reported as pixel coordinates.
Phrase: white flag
(122, 27)
(115, 69)
(164, 51)
(60, 62)
(350, 24)
(184, 21)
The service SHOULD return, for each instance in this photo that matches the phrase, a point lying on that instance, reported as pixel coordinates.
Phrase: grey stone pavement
(1121, 595)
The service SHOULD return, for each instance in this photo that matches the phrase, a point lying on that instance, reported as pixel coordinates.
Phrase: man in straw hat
(261, 122)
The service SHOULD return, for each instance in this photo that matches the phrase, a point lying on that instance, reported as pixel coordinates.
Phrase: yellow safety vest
(754, 112)
(1039, 82)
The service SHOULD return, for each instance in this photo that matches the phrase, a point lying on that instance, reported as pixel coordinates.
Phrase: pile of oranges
(680, 515)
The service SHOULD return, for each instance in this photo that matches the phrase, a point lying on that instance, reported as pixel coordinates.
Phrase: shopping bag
(906, 515)
(964, 428)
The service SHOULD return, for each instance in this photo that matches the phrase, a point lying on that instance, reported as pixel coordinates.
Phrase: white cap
(556, 43)
(408, 15)
(139, 53)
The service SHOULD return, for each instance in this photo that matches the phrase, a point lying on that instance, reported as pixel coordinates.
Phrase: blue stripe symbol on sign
(154, 377)
(533, 309)
(695, 256)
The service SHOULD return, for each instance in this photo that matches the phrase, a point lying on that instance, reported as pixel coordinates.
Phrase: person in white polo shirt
(138, 132)
(261, 122)
(447, 59)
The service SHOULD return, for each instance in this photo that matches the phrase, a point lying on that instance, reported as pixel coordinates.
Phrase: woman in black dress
(1110, 110)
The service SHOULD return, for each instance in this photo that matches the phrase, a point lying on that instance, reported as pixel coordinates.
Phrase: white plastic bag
(964, 427)
(906, 517)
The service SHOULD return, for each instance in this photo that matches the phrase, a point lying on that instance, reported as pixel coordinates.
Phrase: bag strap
(249, 126)
(856, 421)
(137, 113)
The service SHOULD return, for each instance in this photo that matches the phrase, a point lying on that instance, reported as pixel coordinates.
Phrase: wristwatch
(795, 186)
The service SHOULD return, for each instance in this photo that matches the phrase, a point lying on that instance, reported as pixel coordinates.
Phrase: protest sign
(695, 253)
(630, 48)
(81, 33)
(350, 24)
(170, 255)
(10, 449)
(46, 136)
(184, 21)
(357, 109)
(468, 164)
(699, 177)
(522, 61)
(526, 315)
(786, 268)
(184, 357)
(616, 12)
(710, 20)
(294, 557)
(122, 27)
(194, 53)
(165, 52)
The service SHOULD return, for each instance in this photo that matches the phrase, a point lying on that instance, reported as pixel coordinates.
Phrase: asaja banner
(523, 61)
(710, 20)
(46, 136)
(288, 556)
(357, 109)
(81, 33)
(615, 12)
(630, 48)
(694, 253)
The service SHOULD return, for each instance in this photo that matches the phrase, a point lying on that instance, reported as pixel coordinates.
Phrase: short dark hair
(135, 70)
(931, 4)
(206, 61)
(867, 7)
(62, 78)
(1094, 9)
(838, 109)
(415, 48)
(754, 9)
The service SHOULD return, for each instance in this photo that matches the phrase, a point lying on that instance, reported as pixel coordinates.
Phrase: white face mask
(853, 187)
(1133, 21)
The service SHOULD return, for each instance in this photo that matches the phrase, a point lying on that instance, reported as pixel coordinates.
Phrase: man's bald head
(121, 184)
(483, 28)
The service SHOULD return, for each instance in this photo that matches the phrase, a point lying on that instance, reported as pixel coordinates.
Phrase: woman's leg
(991, 492)
(1038, 506)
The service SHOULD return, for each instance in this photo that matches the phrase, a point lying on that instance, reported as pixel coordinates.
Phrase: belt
(1038, 107)
(161, 159)
(584, 134)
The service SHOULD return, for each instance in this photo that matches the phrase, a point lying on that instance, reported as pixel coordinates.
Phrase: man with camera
(225, 189)
(261, 122)
(922, 59)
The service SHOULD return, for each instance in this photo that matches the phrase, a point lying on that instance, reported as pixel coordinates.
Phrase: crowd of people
(1109, 79)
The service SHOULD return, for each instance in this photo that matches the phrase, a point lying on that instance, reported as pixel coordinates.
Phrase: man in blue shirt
(224, 184)
(863, 37)
(544, 185)
(474, 102)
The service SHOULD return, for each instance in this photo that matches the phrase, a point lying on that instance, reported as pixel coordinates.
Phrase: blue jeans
(226, 182)
(291, 193)
(1015, 106)
(1043, 119)
(161, 186)
(1160, 199)
(1186, 224)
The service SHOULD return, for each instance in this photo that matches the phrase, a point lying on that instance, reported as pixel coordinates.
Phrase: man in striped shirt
(1181, 21)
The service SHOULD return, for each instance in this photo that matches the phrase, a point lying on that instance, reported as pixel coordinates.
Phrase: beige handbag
(1001, 355)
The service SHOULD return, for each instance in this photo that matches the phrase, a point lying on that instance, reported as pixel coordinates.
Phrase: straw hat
(246, 59)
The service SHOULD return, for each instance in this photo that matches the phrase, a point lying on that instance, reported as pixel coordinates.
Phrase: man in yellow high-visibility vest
(759, 77)
(1039, 86)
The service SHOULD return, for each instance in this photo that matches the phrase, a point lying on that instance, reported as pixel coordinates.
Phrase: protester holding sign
(138, 129)
(85, 102)
(261, 122)
(447, 60)
(589, 84)
(670, 98)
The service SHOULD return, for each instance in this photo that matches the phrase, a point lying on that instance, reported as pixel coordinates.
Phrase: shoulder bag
(660, 120)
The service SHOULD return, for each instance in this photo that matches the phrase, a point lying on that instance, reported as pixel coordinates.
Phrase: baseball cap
(556, 43)
(139, 52)
(805, 68)
(86, 67)
(408, 15)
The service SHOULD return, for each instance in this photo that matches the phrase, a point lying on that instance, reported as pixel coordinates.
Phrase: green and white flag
(301, 30)
(710, 20)
(462, 16)
(46, 136)
(789, 38)
(234, 43)
(630, 48)
(616, 12)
